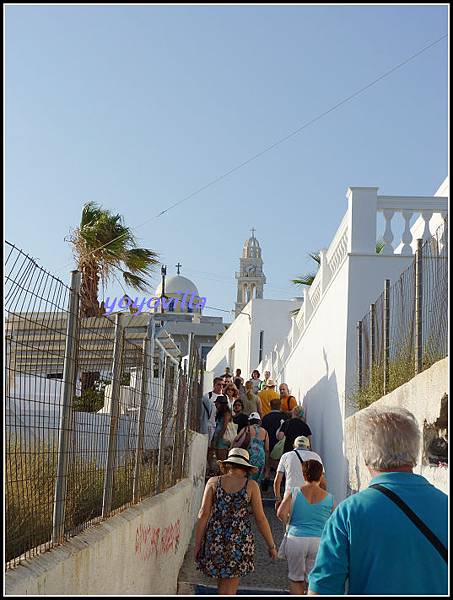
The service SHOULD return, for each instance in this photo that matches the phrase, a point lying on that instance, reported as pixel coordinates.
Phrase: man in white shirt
(290, 466)
(208, 412)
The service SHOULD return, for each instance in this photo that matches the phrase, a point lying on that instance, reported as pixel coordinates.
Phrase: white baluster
(406, 238)
(388, 233)
(426, 216)
(442, 245)
(308, 308)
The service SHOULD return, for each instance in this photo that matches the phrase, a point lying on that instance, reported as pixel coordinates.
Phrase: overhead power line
(281, 140)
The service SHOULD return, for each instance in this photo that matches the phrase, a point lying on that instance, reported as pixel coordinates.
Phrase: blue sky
(135, 107)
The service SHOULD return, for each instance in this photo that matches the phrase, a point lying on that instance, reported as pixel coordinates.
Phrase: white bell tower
(250, 278)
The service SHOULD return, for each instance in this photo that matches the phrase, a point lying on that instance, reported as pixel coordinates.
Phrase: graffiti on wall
(154, 541)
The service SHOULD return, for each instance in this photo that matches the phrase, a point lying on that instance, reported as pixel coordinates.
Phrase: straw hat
(240, 457)
(270, 383)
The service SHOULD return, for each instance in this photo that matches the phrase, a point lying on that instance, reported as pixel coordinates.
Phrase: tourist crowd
(388, 539)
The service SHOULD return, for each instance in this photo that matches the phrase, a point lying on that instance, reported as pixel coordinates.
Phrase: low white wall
(139, 551)
(422, 397)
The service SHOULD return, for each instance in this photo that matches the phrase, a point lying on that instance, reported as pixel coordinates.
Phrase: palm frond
(136, 282)
(304, 279)
(140, 260)
(380, 244)
(316, 256)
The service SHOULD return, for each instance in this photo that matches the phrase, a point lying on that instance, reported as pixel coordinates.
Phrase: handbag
(231, 432)
(242, 440)
(282, 549)
(277, 450)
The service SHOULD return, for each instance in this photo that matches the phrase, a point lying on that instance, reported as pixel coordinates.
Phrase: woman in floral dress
(224, 542)
(258, 448)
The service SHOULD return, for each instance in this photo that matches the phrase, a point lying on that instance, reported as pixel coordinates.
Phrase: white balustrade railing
(315, 293)
(408, 206)
(338, 247)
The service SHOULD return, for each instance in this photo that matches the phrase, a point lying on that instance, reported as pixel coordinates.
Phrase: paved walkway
(269, 578)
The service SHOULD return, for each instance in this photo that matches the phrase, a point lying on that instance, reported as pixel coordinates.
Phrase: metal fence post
(178, 428)
(359, 355)
(163, 429)
(386, 334)
(141, 421)
(372, 339)
(188, 401)
(114, 416)
(69, 389)
(419, 306)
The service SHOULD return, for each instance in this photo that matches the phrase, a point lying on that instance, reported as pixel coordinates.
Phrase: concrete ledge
(138, 551)
(422, 396)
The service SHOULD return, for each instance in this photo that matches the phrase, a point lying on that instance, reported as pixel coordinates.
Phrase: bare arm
(204, 514)
(284, 508)
(226, 420)
(266, 452)
(259, 406)
(260, 518)
(277, 485)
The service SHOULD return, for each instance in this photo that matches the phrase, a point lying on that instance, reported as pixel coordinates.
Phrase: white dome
(177, 285)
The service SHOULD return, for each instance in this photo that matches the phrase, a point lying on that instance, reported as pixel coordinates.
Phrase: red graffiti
(146, 541)
(149, 541)
(170, 537)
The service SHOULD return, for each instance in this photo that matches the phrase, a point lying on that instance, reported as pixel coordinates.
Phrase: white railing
(315, 292)
(338, 247)
(408, 206)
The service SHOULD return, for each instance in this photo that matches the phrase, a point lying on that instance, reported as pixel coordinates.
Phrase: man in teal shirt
(369, 546)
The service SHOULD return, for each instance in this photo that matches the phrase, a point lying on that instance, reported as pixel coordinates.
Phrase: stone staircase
(270, 578)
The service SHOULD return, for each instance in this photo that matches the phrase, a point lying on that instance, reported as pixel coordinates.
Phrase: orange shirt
(266, 396)
(288, 404)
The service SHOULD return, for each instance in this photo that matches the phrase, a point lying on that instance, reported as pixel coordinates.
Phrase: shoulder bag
(231, 432)
(430, 535)
(242, 440)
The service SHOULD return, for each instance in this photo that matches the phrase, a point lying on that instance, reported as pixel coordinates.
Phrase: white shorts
(301, 555)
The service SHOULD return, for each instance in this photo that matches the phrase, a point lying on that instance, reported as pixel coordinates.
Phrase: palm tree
(102, 246)
(308, 278)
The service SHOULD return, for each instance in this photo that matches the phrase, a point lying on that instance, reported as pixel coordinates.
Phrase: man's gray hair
(389, 437)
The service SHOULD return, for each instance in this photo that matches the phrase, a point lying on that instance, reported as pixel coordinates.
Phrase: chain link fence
(97, 409)
(406, 329)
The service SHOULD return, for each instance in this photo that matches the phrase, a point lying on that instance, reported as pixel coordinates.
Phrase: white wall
(315, 373)
(321, 369)
(422, 396)
(271, 316)
(137, 552)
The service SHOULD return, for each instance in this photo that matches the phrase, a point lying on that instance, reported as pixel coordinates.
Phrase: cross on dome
(178, 267)
(253, 231)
